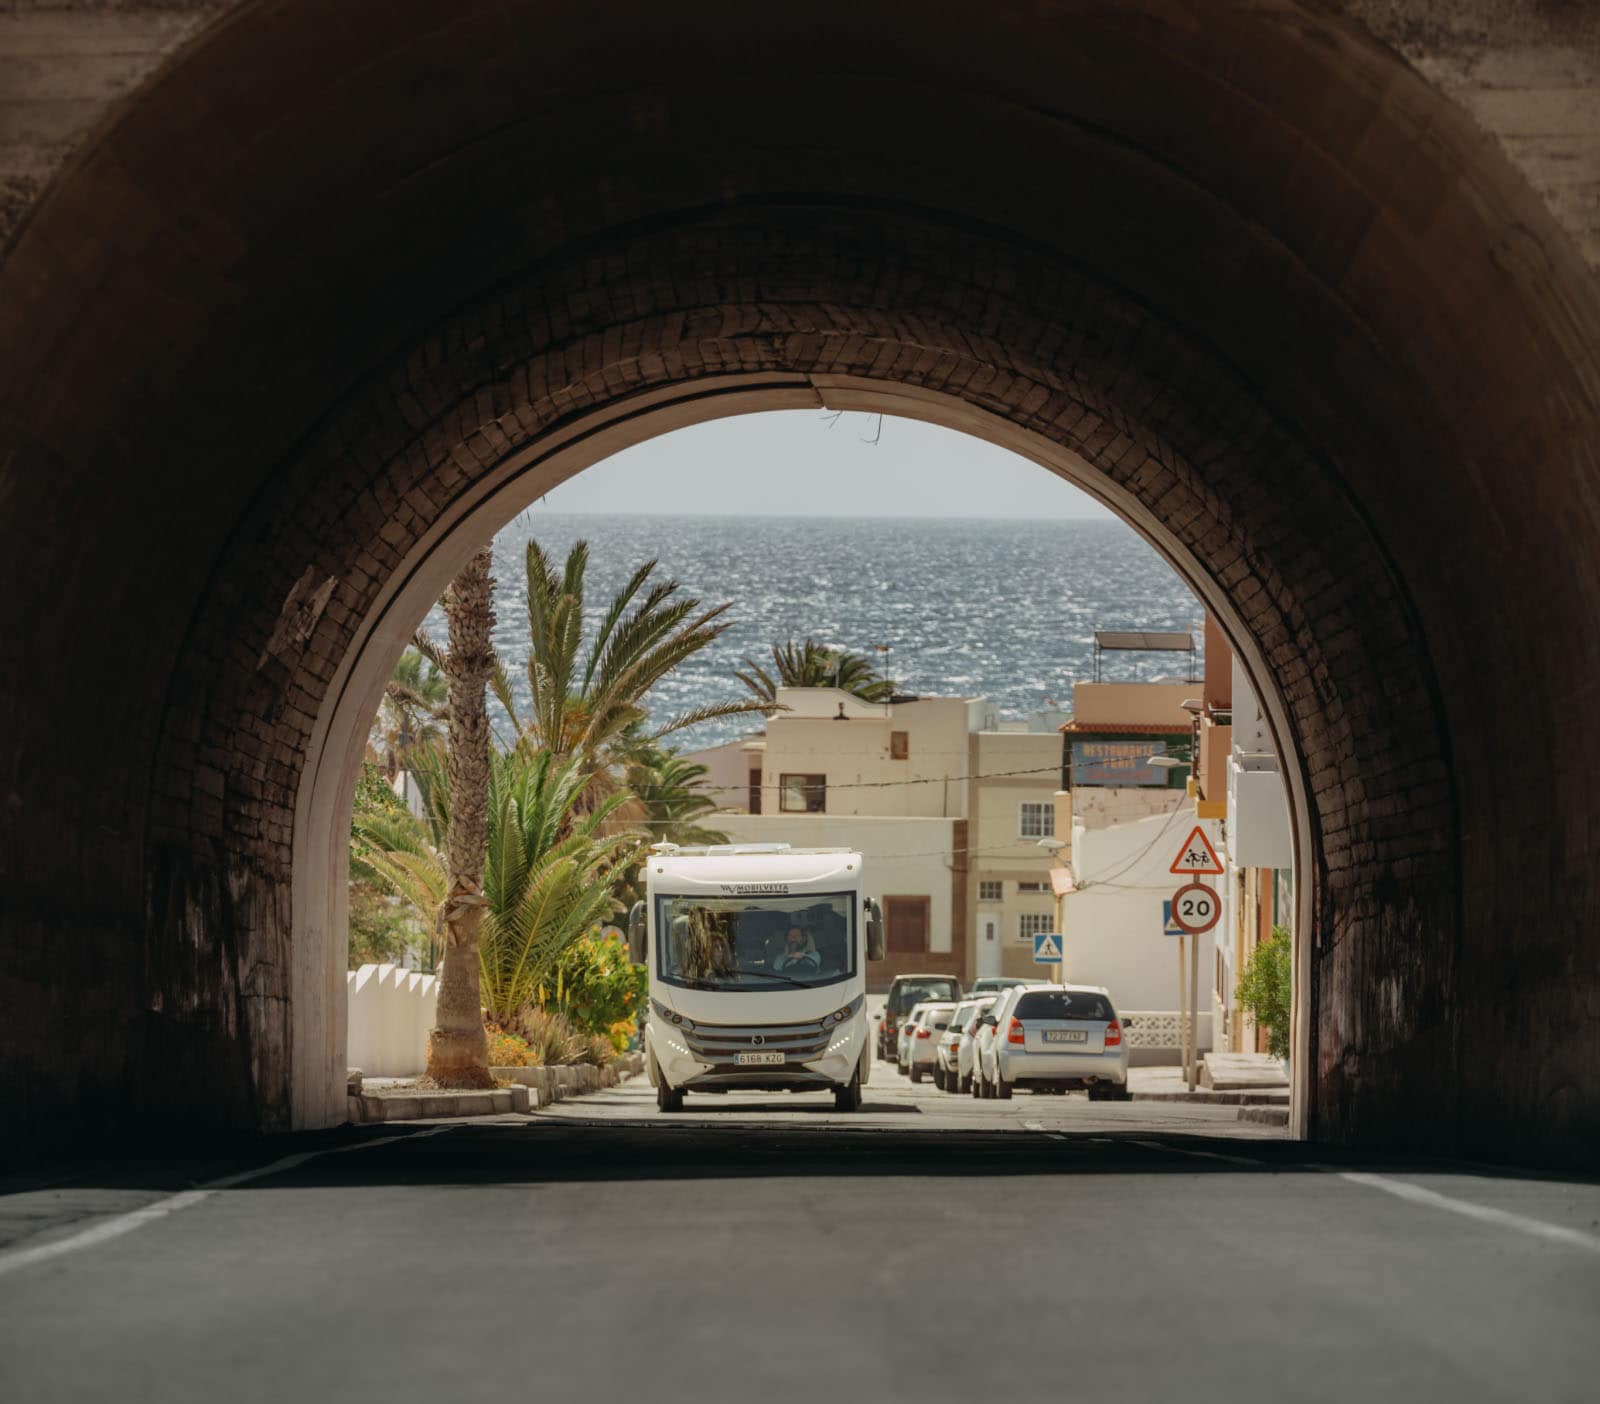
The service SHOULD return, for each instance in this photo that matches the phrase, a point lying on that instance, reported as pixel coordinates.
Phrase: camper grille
(717, 1043)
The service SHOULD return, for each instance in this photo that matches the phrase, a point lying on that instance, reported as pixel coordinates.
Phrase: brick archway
(282, 328)
(805, 306)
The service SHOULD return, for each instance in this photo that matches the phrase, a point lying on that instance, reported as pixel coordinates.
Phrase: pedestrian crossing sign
(1047, 948)
(1168, 926)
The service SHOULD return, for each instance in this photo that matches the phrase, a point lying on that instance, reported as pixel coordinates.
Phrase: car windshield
(766, 943)
(1063, 1004)
(910, 992)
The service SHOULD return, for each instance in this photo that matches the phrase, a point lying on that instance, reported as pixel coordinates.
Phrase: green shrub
(381, 929)
(1264, 990)
(550, 1039)
(507, 1050)
(594, 1049)
(598, 989)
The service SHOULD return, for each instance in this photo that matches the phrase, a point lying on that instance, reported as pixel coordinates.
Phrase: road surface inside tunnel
(766, 1248)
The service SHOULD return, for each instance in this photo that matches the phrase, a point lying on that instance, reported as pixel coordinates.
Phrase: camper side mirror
(636, 933)
(874, 930)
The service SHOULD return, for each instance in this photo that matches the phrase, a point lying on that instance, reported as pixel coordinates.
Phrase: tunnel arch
(314, 285)
(726, 312)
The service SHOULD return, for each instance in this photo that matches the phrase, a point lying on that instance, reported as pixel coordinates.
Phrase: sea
(1002, 609)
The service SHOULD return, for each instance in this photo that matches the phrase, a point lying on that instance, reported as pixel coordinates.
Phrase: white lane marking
(1416, 1194)
(1198, 1154)
(120, 1224)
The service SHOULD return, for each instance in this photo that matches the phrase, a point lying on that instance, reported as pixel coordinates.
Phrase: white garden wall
(391, 1011)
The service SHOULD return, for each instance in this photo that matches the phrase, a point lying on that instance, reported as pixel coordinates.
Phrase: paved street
(766, 1249)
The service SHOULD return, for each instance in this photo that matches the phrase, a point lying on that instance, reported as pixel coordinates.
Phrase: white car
(954, 1070)
(903, 1037)
(977, 1045)
(922, 1048)
(993, 985)
(1055, 1038)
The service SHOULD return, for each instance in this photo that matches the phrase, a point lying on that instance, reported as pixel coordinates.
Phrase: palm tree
(584, 700)
(668, 800)
(811, 664)
(415, 704)
(458, 1049)
(549, 875)
(585, 704)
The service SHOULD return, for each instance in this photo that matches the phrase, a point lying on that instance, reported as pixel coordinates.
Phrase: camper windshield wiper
(775, 975)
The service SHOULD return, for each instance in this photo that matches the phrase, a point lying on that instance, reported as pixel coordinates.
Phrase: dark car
(905, 993)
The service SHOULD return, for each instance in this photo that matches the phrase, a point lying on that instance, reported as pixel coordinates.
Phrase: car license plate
(757, 1060)
(1066, 1036)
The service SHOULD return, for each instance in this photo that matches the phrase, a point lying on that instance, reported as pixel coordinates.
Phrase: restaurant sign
(1117, 763)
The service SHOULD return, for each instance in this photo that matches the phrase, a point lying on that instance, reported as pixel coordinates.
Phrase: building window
(1033, 887)
(1037, 821)
(755, 792)
(906, 921)
(990, 891)
(803, 794)
(899, 745)
(1031, 924)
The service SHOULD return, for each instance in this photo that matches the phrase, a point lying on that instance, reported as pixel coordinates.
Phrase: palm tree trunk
(458, 1048)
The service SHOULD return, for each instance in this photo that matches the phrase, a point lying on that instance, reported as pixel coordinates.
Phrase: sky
(805, 463)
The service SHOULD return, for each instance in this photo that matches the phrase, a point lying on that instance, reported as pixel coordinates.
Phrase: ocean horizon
(1000, 607)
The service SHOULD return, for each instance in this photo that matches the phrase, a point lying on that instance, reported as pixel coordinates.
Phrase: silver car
(1055, 1039)
(954, 1070)
(923, 1045)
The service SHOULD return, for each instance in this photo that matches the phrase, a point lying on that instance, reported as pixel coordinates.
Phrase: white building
(1115, 927)
(1258, 848)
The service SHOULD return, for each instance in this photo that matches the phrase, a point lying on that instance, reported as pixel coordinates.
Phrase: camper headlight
(672, 1016)
(840, 1015)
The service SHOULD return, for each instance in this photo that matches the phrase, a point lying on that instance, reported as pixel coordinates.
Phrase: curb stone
(531, 1090)
(1200, 1097)
(1267, 1116)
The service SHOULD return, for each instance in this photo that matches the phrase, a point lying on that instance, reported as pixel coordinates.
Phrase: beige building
(941, 799)
(1013, 810)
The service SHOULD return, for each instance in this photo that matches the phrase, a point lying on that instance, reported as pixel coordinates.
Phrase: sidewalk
(1169, 1085)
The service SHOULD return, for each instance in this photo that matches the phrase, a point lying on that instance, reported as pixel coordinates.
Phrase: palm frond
(712, 711)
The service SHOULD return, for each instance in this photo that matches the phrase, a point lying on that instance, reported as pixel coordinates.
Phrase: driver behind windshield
(799, 953)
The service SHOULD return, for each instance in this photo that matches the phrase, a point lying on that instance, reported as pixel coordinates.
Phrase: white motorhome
(757, 956)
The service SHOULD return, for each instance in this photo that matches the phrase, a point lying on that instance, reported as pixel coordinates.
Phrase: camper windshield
(755, 943)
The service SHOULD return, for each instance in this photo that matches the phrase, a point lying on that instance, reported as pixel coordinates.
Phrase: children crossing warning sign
(1197, 855)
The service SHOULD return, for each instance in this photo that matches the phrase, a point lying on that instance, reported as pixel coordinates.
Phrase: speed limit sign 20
(1196, 908)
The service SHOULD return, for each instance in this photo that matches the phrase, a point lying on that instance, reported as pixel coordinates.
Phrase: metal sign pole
(1183, 1022)
(1194, 1013)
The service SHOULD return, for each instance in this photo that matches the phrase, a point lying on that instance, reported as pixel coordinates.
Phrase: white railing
(1159, 1028)
(391, 1012)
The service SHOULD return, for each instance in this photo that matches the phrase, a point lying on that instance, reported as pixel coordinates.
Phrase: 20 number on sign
(1196, 908)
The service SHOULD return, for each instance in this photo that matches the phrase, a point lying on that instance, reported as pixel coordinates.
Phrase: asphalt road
(755, 1249)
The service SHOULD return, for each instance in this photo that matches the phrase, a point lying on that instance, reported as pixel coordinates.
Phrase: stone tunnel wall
(282, 313)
